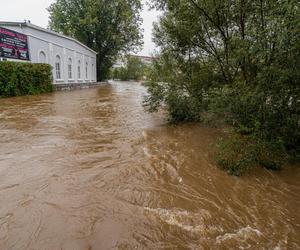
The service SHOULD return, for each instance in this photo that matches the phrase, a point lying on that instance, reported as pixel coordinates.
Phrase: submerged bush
(234, 63)
(238, 153)
(18, 79)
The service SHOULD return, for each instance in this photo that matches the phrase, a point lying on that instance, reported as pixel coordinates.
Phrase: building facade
(71, 61)
(122, 61)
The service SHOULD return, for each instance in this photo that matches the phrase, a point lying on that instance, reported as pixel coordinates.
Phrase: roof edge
(36, 27)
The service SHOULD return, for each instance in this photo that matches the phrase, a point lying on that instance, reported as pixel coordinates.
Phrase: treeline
(236, 64)
(134, 69)
(18, 79)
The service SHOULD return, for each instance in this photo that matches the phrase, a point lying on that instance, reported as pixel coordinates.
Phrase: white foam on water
(146, 152)
(241, 234)
(183, 219)
(144, 134)
(165, 167)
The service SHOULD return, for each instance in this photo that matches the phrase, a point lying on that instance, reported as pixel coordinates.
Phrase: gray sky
(35, 11)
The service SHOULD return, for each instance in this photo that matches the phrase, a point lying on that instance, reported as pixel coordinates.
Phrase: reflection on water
(89, 169)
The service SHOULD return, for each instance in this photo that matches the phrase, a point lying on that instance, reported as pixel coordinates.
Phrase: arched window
(86, 70)
(42, 57)
(93, 71)
(70, 68)
(78, 70)
(58, 67)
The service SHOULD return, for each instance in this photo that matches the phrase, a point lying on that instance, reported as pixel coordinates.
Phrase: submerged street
(91, 169)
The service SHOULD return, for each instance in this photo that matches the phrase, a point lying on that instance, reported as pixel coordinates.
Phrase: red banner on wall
(13, 45)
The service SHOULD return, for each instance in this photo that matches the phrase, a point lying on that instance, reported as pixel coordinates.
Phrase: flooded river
(90, 169)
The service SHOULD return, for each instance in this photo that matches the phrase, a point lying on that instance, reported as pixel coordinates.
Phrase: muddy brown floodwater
(90, 169)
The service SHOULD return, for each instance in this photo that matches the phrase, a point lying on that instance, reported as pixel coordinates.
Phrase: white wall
(52, 45)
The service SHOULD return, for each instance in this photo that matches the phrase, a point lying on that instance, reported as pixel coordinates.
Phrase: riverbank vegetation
(110, 28)
(232, 63)
(134, 69)
(18, 79)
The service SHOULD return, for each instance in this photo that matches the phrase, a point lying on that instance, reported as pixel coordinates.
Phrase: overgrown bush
(18, 79)
(234, 63)
(238, 153)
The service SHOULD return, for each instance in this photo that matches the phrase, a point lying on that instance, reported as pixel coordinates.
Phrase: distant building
(146, 59)
(72, 61)
(122, 62)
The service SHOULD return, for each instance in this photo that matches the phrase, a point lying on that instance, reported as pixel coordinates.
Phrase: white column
(51, 60)
(75, 67)
(64, 66)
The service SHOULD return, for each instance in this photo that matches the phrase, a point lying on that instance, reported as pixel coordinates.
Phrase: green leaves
(232, 62)
(134, 70)
(110, 28)
(24, 79)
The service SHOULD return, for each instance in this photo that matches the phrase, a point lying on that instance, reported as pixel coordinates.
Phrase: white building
(122, 61)
(72, 61)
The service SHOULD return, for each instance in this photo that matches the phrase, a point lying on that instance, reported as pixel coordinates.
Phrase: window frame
(58, 68)
(39, 56)
(93, 72)
(79, 70)
(70, 68)
(86, 70)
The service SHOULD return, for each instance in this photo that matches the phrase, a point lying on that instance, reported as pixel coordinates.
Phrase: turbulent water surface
(90, 169)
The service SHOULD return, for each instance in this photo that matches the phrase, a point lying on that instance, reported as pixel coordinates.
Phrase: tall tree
(108, 27)
(233, 60)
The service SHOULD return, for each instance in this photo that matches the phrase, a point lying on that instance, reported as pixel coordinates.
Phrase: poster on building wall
(13, 45)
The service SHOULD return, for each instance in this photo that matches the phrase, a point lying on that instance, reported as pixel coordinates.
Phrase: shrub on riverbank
(232, 63)
(18, 79)
(238, 153)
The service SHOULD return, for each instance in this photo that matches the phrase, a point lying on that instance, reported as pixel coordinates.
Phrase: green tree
(108, 27)
(235, 62)
(134, 70)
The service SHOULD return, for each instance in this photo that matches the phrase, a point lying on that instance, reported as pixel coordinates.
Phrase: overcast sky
(35, 11)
